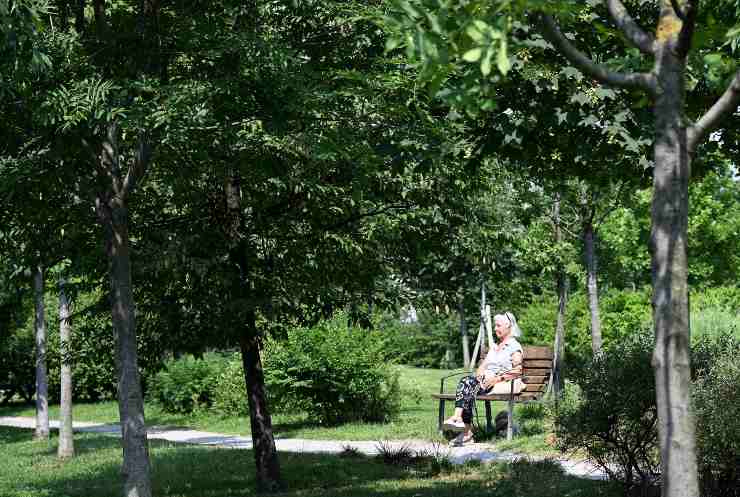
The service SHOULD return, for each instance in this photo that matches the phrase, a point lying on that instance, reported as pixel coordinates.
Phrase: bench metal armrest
(455, 373)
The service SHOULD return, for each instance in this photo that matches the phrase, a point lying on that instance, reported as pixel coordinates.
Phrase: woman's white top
(500, 360)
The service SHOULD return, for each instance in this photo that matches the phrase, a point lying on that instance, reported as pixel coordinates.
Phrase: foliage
(186, 384)
(333, 372)
(421, 344)
(611, 414)
(716, 402)
(17, 373)
(229, 394)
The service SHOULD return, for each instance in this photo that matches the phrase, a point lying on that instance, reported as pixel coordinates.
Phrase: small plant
(350, 452)
(396, 455)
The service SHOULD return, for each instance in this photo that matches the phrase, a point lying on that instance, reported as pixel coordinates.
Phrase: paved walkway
(483, 452)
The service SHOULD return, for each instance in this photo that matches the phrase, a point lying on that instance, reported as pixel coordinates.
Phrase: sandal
(452, 424)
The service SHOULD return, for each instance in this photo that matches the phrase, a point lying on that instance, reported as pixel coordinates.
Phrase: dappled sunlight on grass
(32, 469)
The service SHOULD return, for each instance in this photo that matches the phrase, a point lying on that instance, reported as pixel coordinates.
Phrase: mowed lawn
(31, 469)
(417, 420)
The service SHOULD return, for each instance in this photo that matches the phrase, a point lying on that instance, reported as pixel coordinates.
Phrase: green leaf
(473, 55)
(485, 65)
(502, 59)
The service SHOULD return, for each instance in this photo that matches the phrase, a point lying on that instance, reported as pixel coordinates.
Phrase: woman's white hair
(509, 317)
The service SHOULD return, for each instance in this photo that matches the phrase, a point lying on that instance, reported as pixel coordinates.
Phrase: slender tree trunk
(79, 8)
(66, 447)
(589, 241)
(562, 283)
(464, 333)
(265, 452)
(112, 214)
(42, 380)
(668, 239)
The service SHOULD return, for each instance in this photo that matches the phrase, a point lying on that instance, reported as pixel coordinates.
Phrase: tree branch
(687, 29)
(726, 104)
(140, 163)
(634, 33)
(550, 30)
(677, 9)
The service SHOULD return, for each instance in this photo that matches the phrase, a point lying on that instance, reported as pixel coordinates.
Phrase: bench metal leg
(441, 414)
(489, 417)
(510, 420)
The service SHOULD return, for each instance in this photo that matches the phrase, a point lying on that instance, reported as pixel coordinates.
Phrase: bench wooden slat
(538, 363)
(537, 353)
(532, 379)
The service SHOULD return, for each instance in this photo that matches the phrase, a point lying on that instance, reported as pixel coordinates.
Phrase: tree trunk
(79, 8)
(112, 213)
(263, 441)
(42, 380)
(668, 240)
(464, 334)
(265, 453)
(66, 447)
(563, 283)
(589, 241)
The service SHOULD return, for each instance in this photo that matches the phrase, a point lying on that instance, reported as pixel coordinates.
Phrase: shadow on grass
(188, 471)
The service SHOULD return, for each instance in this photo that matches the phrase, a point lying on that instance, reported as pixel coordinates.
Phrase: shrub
(334, 373)
(612, 413)
(186, 384)
(423, 344)
(17, 372)
(229, 397)
(716, 398)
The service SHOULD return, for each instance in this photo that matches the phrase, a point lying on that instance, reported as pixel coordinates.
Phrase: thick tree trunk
(265, 453)
(464, 334)
(66, 447)
(112, 214)
(668, 240)
(136, 468)
(589, 241)
(42, 380)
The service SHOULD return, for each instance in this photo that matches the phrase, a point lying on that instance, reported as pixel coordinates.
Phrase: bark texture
(589, 242)
(265, 452)
(464, 334)
(66, 447)
(42, 379)
(112, 212)
(669, 243)
(562, 283)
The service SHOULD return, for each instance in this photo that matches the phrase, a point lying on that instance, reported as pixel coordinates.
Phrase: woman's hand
(490, 380)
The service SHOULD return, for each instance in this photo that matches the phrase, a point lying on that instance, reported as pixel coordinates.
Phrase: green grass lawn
(31, 469)
(417, 420)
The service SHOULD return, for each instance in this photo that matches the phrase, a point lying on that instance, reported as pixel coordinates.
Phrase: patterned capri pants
(465, 394)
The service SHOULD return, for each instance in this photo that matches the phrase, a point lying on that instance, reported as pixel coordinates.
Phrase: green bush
(229, 397)
(423, 344)
(612, 414)
(334, 373)
(17, 372)
(716, 399)
(187, 384)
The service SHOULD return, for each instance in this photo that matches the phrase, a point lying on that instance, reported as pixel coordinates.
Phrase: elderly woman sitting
(501, 366)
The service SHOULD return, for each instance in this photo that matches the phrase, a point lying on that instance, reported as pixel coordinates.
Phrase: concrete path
(483, 452)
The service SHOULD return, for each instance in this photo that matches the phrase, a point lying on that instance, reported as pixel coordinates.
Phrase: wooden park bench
(537, 367)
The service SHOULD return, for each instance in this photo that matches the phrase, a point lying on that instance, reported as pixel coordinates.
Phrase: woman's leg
(467, 389)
